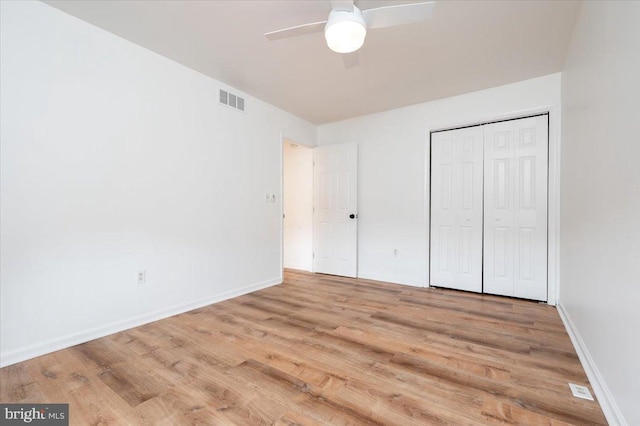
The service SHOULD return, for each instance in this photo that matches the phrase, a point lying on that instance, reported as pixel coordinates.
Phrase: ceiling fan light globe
(345, 31)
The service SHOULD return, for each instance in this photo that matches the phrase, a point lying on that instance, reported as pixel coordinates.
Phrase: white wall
(115, 159)
(298, 206)
(600, 238)
(392, 174)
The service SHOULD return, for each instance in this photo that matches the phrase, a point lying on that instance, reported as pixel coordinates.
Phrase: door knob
(352, 216)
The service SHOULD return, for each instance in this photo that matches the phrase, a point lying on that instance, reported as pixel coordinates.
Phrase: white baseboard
(42, 348)
(297, 267)
(389, 279)
(605, 398)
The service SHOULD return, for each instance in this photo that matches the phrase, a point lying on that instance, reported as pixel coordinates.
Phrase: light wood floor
(322, 350)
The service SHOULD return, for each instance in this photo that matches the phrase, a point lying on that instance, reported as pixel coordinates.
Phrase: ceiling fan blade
(342, 5)
(350, 60)
(299, 30)
(389, 16)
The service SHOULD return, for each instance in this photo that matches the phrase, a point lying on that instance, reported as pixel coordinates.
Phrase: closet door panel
(467, 205)
(442, 218)
(498, 201)
(530, 208)
(515, 209)
(456, 209)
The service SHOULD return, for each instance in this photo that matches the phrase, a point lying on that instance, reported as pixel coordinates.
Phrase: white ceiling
(465, 46)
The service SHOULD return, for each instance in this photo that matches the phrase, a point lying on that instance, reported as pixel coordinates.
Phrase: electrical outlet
(580, 391)
(273, 198)
(267, 198)
(395, 252)
(142, 277)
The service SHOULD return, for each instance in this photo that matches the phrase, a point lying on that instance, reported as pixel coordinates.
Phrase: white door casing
(335, 216)
(515, 208)
(456, 209)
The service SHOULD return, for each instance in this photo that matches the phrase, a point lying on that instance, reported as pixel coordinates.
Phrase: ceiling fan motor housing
(345, 30)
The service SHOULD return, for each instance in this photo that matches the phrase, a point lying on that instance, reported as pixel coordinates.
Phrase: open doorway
(297, 206)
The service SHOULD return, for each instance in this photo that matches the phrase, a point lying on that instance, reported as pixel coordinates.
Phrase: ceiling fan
(346, 27)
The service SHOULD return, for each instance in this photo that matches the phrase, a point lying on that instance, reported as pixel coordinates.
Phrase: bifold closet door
(515, 208)
(456, 209)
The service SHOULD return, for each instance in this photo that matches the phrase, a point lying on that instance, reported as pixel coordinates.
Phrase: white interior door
(456, 209)
(515, 208)
(335, 216)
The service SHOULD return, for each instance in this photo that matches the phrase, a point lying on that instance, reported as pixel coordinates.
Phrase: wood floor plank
(16, 385)
(65, 380)
(321, 350)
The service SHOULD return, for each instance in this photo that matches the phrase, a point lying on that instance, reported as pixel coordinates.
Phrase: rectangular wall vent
(224, 97)
(231, 100)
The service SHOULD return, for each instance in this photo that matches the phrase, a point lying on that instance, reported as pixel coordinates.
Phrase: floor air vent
(231, 100)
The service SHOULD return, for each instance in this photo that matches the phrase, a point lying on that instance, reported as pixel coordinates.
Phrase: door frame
(553, 186)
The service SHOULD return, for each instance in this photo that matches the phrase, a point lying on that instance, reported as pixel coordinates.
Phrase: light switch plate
(580, 391)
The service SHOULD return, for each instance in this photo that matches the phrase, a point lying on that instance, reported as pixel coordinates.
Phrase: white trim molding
(388, 278)
(605, 398)
(297, 267)
(43, 348)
